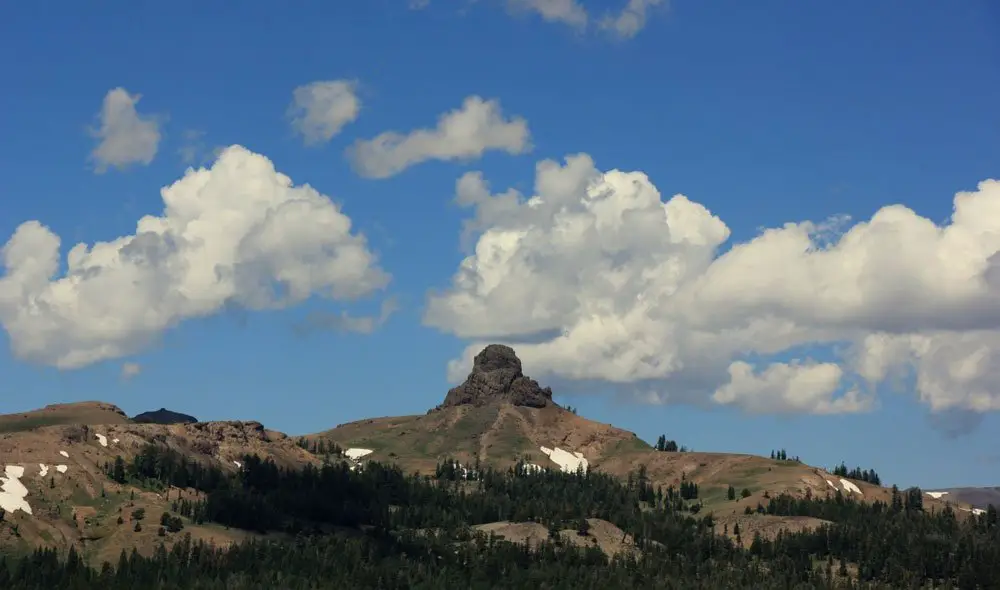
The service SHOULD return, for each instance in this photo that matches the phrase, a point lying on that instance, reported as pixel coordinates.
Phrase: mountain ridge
(56, 461)
(979, 497)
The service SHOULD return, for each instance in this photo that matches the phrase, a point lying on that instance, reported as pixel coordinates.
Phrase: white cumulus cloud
(319, 110)
(125, 137)
(237, 234)
(596, 278)
(461, 134)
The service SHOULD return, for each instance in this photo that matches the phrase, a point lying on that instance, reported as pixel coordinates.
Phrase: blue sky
(764, 113)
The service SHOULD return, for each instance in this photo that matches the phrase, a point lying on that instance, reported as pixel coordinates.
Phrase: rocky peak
(496, 377)
(163, 416)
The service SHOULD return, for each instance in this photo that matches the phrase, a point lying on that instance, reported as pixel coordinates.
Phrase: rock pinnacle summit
(496, 377)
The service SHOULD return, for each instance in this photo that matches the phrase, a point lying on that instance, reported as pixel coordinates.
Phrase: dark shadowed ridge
(164, 416)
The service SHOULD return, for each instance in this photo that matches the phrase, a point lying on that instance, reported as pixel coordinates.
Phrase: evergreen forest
(340, 526)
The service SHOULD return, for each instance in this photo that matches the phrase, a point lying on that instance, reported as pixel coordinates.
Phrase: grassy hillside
(57, 414)
(496, 434)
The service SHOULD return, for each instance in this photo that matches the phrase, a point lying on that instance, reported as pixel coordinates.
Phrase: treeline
(417, 535)
(669, 446)
(867, 475)
(782, 455)
(321, 447)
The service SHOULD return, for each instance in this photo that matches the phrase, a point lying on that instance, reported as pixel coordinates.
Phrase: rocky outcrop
(496, 377)
(232, 431)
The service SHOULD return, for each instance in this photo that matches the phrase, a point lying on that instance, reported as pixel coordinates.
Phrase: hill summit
(496, 377)
(497, 416)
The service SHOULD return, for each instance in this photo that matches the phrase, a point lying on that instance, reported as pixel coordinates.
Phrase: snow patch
(567, 461)
(43, 470)
(64, 454)
(936, 495)
(114, 440)
(238, 464)
(12, 491)
(463, 472)
(61, 468)
(831, 484)
(533, 468)
(850, 488)
(102, 439)
(355, 454)
(974, 511)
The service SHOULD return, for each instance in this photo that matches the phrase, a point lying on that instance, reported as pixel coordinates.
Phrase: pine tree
(118, 470)
(897, 499)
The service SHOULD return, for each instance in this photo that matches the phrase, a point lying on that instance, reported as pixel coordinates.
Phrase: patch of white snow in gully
(850, 487)
(567, 461)
(12, 491)
(355, 454)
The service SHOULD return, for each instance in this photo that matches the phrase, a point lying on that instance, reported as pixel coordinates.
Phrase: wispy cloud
(130, 370)
(320, 109)
(125, 137)
(464, 133)
(319, 321)
(623, 24)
